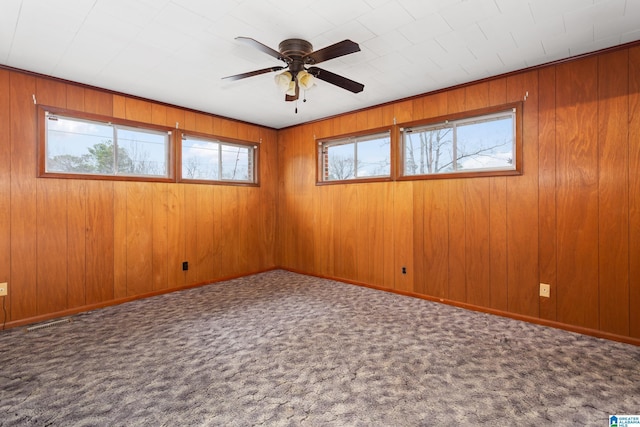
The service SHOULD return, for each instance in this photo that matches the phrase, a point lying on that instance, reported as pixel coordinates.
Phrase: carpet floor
(284, 349)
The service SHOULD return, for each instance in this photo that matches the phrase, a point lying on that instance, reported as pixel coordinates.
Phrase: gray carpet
(283, 349)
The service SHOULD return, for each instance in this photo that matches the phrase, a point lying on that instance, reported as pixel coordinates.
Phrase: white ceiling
(177, 51)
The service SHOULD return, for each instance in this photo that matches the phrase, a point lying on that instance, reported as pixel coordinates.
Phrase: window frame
(45, 111)
(466, 115)
(221, 140)
(334, 140)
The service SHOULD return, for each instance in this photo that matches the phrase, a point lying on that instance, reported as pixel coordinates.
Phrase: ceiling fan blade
(342, 48)
(294, 97)
(252, 73)
(337, 80)
(263, 48)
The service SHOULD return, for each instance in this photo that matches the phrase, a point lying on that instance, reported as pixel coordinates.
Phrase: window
(483, 144)
(83, 146)
(355, 158)
(207, 159)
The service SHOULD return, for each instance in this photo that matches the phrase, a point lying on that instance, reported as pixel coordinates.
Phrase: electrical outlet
(4, 289)
(545, 290)
(185, 265)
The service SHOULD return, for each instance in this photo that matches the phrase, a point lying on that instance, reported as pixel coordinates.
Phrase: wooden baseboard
(535, 320)
(553, 324)
(90, 307)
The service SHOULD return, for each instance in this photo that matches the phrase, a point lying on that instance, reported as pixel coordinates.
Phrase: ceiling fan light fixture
(284, 81)
(291, 89)
(305, 80)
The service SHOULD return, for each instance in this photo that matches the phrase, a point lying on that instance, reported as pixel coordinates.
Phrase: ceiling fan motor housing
(293, 52)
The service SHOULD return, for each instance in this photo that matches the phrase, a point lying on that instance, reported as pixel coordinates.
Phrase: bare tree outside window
(213, 160)
(362, 157)
(481, 143)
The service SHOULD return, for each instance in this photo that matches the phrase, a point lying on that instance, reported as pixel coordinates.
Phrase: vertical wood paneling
(387, 197)
(176, 235)
(613, 191)
(304, 179)
(77, 242)
(419, 237)
(103, 263)
(159, 115)
(160, 236)
(363, 233)
(547, 254)
(191, 232)
(435, 105)
(138, 110)
(436, 238)
(345, 233)
(457, 289)
(139, 238)
(268, 198)
(634, 191)
(5, 182)
(119, 107)
(23, 197)
(456, 100)
(403, 235)
(50, 92)
(218, 218)
(228, 128)
(374, 118)
(204, 232)
(204, 123)
(175, 117)
(476, 96)
(229, 226)
(97, 102)
(375, 208)
(577, 192)
(498, 91)
(324, 220)
(254, 248)
(120, 241)
(522, 205)
(403, 111)
(477, 247)
(75, 97)
(51, 253)
(498, 255)
(242, 230)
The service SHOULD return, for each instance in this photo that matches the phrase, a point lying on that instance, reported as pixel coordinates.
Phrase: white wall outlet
(4, 289)
(545, 290)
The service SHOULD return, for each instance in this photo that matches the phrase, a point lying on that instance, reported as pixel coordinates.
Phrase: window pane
(485, 145)
(213, 160)
(481, 143)
(236, 161)
(374, 157)
(76, 146)
(142, 152)
(428, 151)
(85, 146)
(341, 162)
(200, 159)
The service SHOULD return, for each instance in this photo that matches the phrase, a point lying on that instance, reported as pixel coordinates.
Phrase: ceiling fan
(300, 58)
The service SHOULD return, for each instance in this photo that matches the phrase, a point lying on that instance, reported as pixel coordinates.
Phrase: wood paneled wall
(66, 244)
(571, 220)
